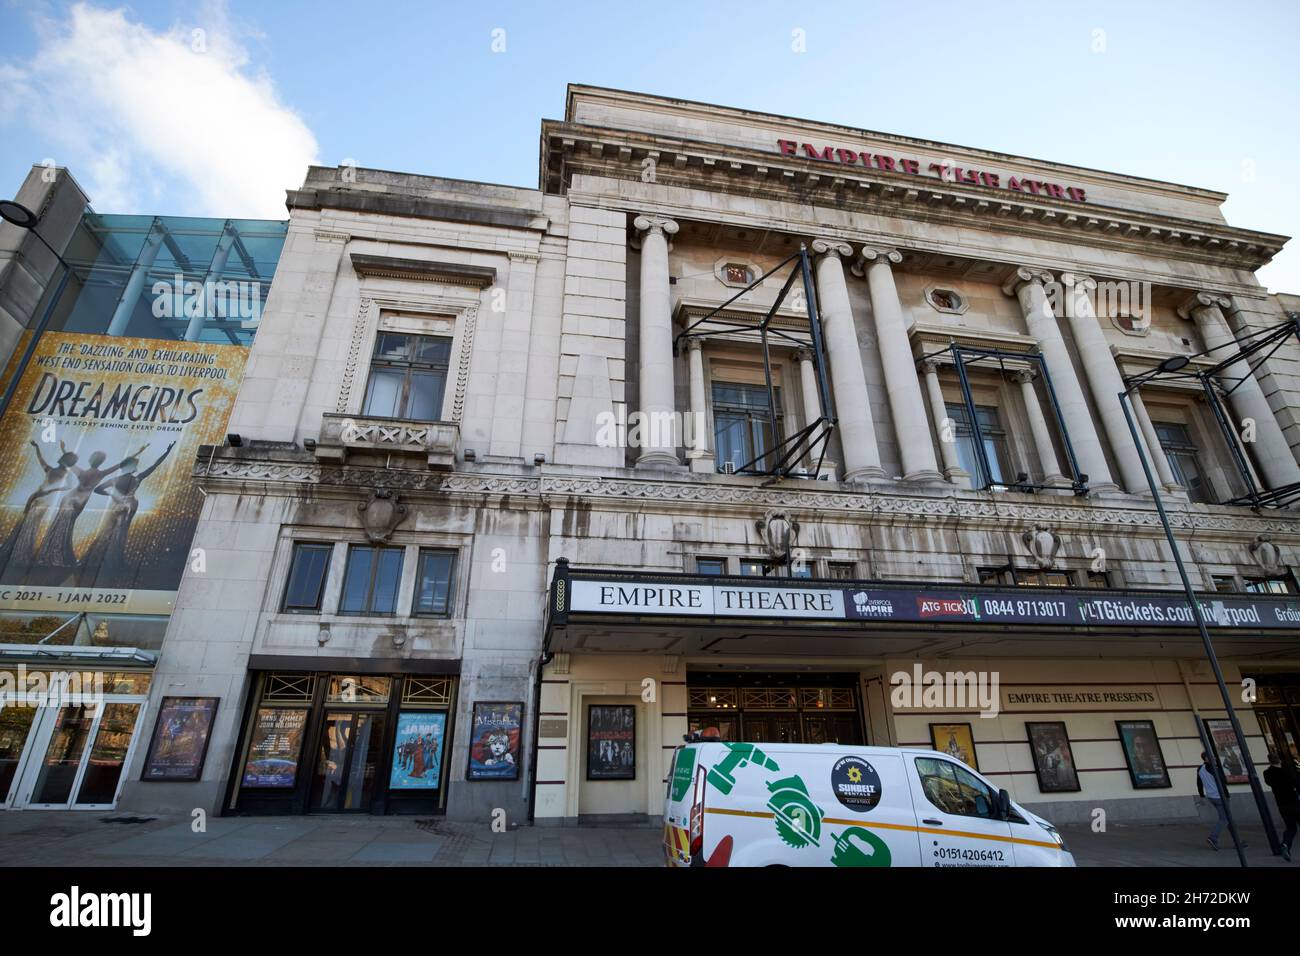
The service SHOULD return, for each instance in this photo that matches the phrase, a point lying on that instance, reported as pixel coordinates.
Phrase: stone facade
(561, 305)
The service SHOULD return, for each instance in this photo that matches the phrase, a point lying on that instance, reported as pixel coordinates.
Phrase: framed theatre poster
(611, 742)
(275, 747)
(494, 739)
(1146, 764)
(417, 751)
(1228, 750)
(956, 740)
(180, 738)
(1053, 759)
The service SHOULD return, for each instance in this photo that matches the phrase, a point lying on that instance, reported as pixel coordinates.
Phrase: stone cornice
(619, 154)
(422, 270)
(264, 475)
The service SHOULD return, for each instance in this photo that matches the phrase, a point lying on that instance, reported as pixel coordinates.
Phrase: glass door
(60, 768)
(113, 737)
(347, 760)
(15, 729)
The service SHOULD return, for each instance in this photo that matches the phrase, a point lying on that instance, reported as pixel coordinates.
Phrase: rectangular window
(307, 572)
(710, 566)
(756, 569)
(408, 375)
(994, 576)
(433, 582)
(1043, 579)
(371, 580)
(743, 428)
(1268, 586)
(803, 570)
(1224, 583)
(994, 440)
(1182, 455)
(840, 570)
(1097, 579)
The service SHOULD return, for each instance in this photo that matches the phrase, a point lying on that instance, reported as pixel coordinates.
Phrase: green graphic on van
(683, 772)
(857, 846)
(722, 773)
(798, 820)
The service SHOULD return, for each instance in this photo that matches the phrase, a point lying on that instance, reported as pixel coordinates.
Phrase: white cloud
(132, 106)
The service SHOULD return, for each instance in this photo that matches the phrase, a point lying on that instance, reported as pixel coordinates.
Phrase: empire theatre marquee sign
(949, 172)
(919, 606)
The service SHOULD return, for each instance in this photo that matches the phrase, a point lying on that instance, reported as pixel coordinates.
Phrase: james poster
(97, 502)
(417, 752)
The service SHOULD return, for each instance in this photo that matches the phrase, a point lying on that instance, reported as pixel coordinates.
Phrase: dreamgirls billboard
(97, 503)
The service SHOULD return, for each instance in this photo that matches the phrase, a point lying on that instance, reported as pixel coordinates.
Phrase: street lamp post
(1170, 365)
(22, 217)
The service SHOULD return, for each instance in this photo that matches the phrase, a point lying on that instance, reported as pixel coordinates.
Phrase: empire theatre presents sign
(97, 502)
(922, 605)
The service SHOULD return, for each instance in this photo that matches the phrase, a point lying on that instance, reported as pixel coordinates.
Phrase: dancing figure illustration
(56, 552)
(19, 549)
(104, 563)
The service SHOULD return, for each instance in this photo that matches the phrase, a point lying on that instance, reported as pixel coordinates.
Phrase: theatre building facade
(759, 427)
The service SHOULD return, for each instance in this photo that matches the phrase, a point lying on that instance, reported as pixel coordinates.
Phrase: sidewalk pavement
(81, 839)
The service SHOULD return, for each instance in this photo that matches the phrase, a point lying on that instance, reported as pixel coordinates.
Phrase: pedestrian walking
(1207, 785)
(1281, 779)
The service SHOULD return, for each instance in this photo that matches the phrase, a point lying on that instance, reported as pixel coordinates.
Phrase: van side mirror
(1004, 805)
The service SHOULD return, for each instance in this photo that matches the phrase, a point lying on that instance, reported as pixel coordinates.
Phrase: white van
(740, 804)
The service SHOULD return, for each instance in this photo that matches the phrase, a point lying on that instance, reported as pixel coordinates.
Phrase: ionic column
(848, 380)
(699, 450)
(906, 406)
(1027, 286)
(1271, 452)
(1155, 450)
(1038, 428)
(812, 406)
(656, 329)
(944, 427)
(1103, 376)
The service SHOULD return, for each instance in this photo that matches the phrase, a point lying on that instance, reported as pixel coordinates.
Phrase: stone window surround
(720, 271)
(744, 366)
(1002, 396)
(959, 309)
(1187, 409)
(400, 311)
(340, 540)
(1075, 570)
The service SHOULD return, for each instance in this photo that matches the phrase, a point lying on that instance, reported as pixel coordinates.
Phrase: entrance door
(347, 760)
(15, 728)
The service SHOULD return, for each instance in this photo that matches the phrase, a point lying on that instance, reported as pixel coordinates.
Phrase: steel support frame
(812, 440)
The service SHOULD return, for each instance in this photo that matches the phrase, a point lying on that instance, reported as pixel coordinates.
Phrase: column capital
(882, 254)
(836, 246)
(1078, 281)
(1024, 375)
(1024, 275)
(1200, 300)
(694, 343)
(651, 223)
(803, 355)
(928, 367)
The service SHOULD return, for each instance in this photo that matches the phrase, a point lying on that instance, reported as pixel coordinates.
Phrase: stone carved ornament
(1266, 555)
(1042, 543)
(779, 532)
(381, 514)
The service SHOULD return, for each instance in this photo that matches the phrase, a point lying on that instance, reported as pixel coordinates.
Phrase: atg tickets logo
(964, 608)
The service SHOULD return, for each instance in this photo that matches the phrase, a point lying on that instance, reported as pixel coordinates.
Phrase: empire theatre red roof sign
(945, 171)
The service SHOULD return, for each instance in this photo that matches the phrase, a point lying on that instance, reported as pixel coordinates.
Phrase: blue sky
(151, 116)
